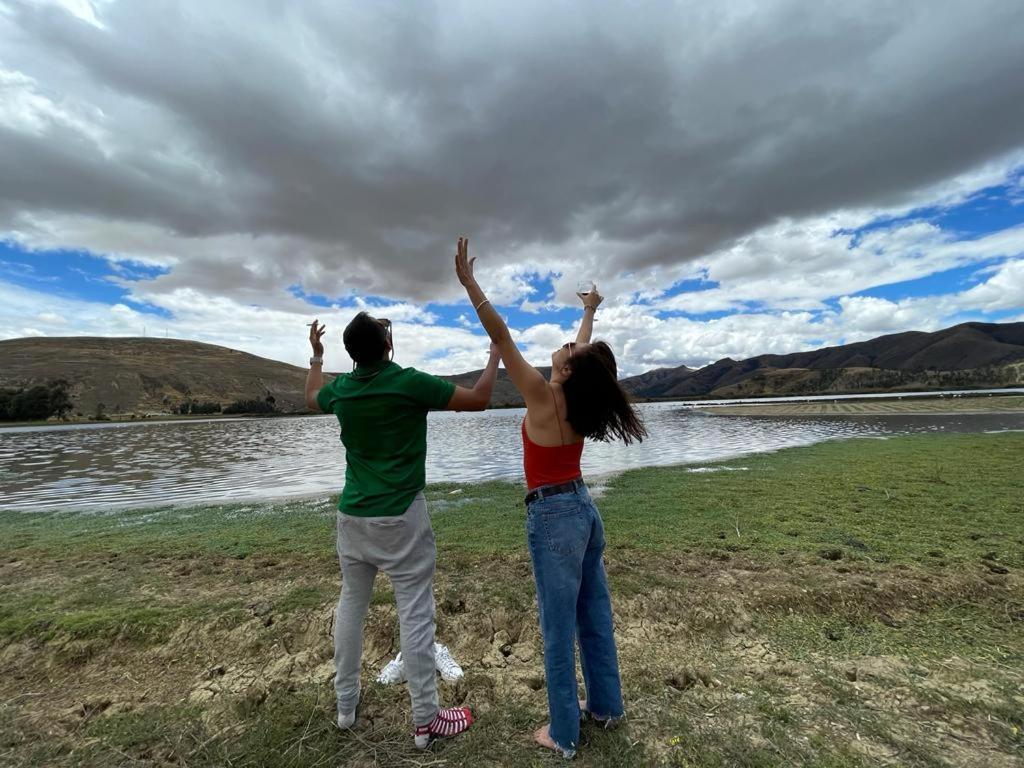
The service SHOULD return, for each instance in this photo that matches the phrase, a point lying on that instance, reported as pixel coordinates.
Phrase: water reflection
(189, 462)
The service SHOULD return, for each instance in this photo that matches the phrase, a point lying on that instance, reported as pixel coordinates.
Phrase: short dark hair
(366, 340)
(597, 405)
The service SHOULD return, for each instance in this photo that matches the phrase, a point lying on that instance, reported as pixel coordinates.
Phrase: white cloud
(400, 312)
(866, 316)
(288, 149)
(640, 337)
(83, 10)
(340, 150)
(800, 265)
(1003, 290)
(25, 108)
(275, 334)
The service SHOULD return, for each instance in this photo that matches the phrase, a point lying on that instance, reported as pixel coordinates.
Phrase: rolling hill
(505, 394)
(140, 376)
(155, 376)
(978, 352)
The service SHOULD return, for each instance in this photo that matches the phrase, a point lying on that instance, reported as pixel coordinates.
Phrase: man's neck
(370, 367)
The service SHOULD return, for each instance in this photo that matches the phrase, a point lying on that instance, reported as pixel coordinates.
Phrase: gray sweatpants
(403, 547)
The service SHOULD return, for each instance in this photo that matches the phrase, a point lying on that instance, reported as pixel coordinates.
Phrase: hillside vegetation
(145, 376)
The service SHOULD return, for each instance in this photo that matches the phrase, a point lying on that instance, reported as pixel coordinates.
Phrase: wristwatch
(316, 361)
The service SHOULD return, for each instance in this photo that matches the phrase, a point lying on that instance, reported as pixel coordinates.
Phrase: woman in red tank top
(582, 399)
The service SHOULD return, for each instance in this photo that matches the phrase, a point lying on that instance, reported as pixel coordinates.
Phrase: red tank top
(550, 464)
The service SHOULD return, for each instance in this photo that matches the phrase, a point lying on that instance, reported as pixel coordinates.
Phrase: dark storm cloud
(360, 139)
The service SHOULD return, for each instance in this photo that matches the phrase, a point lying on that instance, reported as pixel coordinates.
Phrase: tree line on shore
(36, 403)
(52, 400)
(254, 405)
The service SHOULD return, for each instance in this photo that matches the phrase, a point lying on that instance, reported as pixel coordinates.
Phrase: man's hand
(495, 350)
(315, 377)
(464, 264)
(477, 398)
(592, 299)
(316, 332)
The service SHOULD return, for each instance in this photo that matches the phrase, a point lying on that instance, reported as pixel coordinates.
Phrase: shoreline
(1003, 404)
(168, 418)
(853, 603)
(708, 403)
(846, 396)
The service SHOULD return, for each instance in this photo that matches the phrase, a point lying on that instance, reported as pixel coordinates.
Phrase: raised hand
(591, 299)
(316, 332)
(464, 264)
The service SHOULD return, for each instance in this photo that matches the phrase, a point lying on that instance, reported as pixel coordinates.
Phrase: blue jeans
(566, 540)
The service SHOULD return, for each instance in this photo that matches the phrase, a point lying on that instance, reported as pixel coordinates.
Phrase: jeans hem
(607, 723)
(432, 718)
(344, 711)
(568, 754)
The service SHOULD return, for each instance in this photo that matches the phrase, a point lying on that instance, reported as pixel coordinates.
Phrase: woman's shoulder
(542, 407)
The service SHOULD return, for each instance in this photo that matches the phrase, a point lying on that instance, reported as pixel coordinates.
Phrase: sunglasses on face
(571, 346)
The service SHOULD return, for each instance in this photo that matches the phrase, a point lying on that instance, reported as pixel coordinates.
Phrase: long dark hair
(598, 407)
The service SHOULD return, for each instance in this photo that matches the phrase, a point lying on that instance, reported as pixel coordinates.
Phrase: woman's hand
(464, 264)
(495, 350)
(316, 332)
(592, 299)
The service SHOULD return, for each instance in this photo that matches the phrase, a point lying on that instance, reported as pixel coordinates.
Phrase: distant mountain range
(150, 376)
(967, 355)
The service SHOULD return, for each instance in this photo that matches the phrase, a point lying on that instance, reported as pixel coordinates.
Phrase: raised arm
(527, 379)
(477, 398)
(315, 377)
(591, 301)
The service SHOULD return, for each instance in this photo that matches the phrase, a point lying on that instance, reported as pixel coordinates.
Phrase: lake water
(102, 466)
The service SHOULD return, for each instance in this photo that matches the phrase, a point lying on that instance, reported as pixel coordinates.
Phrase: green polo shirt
(382, 409)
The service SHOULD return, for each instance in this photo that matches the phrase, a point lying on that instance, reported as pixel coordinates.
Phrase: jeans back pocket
(566, 527)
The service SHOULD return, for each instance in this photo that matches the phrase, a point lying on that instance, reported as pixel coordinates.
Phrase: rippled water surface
(190, 462)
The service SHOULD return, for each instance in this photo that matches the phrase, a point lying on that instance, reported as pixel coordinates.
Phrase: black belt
(551, 490)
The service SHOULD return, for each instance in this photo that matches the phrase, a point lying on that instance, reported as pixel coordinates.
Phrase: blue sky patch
(989, 210)
(75, 275)
(950, 281)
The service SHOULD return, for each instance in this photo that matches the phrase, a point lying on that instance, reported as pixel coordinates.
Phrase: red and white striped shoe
(450, 721)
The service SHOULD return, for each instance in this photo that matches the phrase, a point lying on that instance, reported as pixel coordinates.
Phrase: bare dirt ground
(731, 653)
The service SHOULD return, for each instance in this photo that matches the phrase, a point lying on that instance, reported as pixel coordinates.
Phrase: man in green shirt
(383, 523)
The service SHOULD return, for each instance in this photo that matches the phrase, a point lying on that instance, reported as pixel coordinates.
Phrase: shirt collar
(362, 371)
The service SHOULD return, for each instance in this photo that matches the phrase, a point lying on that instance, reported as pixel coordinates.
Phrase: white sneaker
(446, 665)
(393, 672)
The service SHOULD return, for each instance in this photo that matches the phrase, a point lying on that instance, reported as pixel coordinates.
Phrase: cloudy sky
(737, 177)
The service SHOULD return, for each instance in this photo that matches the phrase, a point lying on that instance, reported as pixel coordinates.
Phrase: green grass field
(853, 603)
